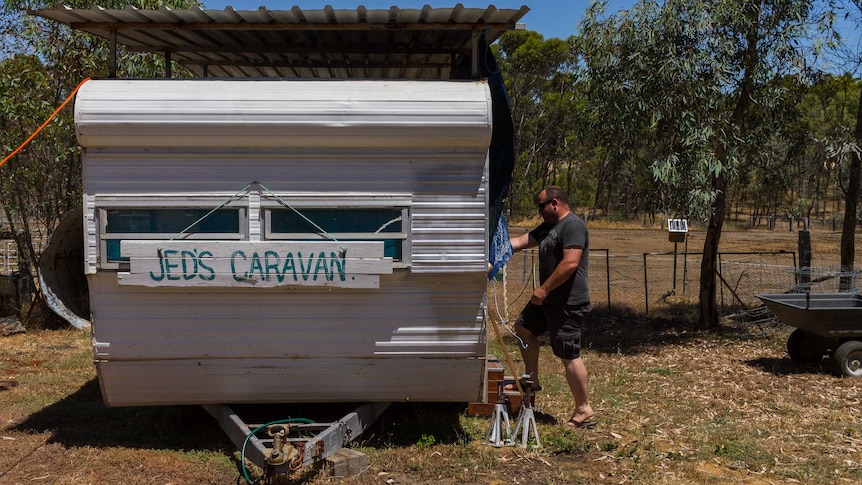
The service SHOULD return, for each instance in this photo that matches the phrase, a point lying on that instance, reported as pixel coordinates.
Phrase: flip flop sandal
(580, 424)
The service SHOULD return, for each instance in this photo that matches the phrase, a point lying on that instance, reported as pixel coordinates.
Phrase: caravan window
(182, 223)
(343, 224)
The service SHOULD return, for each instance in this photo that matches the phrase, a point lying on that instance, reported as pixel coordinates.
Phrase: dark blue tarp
(501, 155)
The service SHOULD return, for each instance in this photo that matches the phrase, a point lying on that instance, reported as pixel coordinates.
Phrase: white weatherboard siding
(449, 235)
(401, 342)
(185, 172)
(418, 335)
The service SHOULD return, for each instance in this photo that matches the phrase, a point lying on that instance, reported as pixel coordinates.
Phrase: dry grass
(55, 428)
(674, 405)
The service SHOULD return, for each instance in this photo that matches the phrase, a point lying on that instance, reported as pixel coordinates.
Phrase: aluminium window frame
(342, 201)
(155, 202)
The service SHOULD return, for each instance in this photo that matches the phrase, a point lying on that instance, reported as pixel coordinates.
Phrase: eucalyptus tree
(677, 82)
(40, 65)
(540, 80)
(785, 174)
(847, 149)
(827, 114)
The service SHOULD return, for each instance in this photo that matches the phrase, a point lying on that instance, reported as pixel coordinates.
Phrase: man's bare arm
(563, 271)
(523, 241)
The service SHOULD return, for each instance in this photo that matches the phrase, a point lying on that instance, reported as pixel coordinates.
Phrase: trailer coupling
(292, 445)
(282, 451)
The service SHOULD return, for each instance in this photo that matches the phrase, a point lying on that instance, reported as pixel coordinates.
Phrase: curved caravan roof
(394, 43)
(405, 116)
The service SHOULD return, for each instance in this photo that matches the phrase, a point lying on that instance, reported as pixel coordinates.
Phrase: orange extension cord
(53, 115)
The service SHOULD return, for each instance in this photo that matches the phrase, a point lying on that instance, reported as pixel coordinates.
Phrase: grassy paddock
(674, 405)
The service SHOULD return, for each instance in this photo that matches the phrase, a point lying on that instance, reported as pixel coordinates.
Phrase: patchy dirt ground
(674, 404)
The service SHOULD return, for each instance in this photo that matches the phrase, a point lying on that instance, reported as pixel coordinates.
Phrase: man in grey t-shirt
(561, 302)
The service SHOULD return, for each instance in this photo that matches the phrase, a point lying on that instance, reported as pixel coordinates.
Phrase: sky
(551, 18)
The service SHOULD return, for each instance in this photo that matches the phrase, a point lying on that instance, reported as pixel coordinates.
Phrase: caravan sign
(254, 263)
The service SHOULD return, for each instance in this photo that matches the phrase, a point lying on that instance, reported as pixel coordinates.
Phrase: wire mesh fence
(655, 284)
(8, 256)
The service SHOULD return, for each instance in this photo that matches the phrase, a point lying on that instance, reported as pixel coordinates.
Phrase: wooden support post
(112, 54)
(474, 54)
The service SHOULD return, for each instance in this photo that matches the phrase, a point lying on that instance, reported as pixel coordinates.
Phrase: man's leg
(576, 376)
(530, 324)
(530, 353)
(566, 339)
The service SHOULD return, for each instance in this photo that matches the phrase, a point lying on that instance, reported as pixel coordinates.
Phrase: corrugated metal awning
(395, 43)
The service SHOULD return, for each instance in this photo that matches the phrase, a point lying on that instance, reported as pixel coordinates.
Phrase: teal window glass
(169, 222)
(391, 247)
(337, 220)
(349, 223)
(113, 248)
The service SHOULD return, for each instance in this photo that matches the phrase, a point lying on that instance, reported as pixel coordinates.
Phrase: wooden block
(480, 409)
(346, 462)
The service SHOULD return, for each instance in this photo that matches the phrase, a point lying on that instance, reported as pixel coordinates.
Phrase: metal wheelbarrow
(826, 324)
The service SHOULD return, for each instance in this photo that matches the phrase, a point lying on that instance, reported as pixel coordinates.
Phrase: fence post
(720, 287)
(646, 286)
(524, 269)
(804, 247)
(685, 265)
(608, 273)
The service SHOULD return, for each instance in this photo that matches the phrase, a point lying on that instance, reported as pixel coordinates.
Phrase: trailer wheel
(803, 348)
(848, 356)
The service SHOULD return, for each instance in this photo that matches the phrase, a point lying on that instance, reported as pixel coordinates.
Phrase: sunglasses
(543, 204)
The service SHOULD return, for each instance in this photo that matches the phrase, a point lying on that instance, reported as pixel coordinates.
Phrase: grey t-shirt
(568, 232)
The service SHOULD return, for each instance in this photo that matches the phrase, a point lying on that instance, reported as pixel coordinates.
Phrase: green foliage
(426, 440)
(667, 80)
(560, 440)
(663, 371)
(694, 89)
(737, 448)
(549, 133)
(39, 68)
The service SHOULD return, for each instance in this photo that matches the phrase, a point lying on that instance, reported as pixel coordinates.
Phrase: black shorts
(562, 322)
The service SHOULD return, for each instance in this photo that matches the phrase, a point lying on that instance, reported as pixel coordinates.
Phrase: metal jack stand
(495, 436)
(526, 419)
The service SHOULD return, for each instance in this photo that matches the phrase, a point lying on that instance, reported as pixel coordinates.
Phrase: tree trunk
(708, 293)
(708, 290)
(851, 196)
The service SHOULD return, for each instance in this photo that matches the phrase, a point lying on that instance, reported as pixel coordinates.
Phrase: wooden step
(494, 379)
